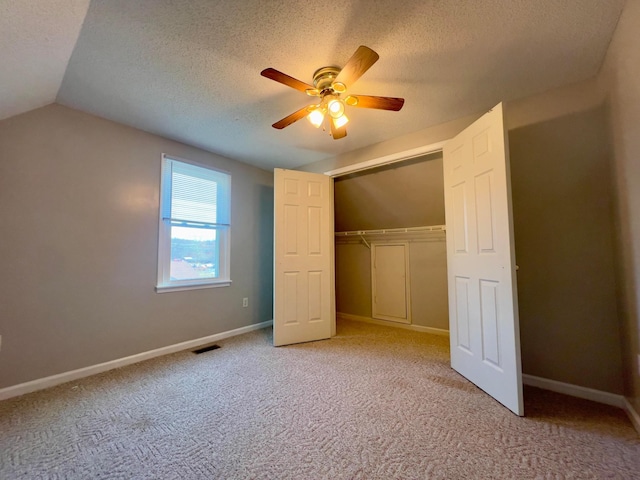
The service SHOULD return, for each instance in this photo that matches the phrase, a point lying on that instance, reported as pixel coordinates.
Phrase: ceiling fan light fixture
(341, 121)
(330, 85)
(316, 117)
(335, 107)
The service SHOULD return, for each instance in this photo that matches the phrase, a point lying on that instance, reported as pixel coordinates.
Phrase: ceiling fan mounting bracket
(323, 78)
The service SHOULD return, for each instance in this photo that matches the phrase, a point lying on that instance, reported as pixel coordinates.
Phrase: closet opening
(390, 245)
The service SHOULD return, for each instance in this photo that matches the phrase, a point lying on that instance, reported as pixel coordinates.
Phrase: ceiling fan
(329, 85)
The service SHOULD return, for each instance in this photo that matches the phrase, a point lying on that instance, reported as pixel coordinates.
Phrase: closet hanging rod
(386, 231)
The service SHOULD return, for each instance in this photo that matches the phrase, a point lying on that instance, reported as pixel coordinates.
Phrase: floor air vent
(206, 349)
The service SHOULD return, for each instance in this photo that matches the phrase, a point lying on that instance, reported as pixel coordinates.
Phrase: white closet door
(483, 311)
(304, 288)
(389, 282)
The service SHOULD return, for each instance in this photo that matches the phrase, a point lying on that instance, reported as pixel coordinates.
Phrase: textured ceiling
(36, 41)
(190, 70)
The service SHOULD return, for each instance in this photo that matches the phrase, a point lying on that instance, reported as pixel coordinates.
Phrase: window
(193, 245)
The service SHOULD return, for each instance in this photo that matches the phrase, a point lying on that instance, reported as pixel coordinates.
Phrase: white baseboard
(42, 383)
(575, 390)
(633, 415)
(375, 321)
(587, 393)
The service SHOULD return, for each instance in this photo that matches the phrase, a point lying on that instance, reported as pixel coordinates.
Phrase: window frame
(164, 282)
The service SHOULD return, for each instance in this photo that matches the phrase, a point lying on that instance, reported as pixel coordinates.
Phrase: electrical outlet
(245, 302)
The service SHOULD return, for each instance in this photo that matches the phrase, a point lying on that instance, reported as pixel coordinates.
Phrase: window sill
(196, 286)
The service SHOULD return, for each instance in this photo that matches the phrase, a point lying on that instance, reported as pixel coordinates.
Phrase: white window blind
(198, 196)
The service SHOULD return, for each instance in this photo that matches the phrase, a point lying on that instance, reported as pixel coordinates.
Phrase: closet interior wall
(406, 194)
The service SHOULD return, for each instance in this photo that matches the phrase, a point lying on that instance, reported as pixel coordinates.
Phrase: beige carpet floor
(372, 403)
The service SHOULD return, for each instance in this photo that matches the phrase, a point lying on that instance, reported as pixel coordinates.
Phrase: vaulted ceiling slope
(37, 38)
(190, 70)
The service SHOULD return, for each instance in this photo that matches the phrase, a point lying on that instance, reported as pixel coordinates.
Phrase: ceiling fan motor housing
(323, 79)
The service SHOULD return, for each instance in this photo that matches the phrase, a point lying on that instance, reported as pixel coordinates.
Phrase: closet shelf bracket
(365, 242)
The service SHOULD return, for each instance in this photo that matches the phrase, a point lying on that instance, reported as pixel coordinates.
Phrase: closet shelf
(387, 231)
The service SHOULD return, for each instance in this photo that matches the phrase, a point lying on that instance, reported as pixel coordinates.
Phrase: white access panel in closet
(390, 282)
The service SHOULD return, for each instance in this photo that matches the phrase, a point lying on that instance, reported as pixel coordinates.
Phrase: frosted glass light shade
(336, 108)
(316, 117)
(340, 121)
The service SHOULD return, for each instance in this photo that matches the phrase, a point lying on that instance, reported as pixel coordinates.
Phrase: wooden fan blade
(382, 103)
(359, 63)
(285, 79)
(294, 117)
(338, 133)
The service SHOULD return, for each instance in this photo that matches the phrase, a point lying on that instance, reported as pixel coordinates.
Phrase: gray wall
(620, 78)
(79, 209)
(562, 208)
(429, 289)
(353, 279)
(407, 194)
(568, 316)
